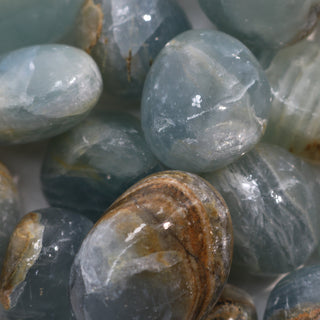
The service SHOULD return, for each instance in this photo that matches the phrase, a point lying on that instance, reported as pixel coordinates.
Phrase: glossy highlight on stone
(87, 168)
(205, 102)
(34, 277)
(273, 208)
(296, 297)
(162, 251)
(133, 33)
(45, 90)
(233, 304)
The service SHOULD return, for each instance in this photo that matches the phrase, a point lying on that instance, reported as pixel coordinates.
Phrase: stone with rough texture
(45, 90)
(9, 209)
(296, 297)
(233, 304)
(34, 278)
(133, 33)
(87, 168)
(205, 103)
(273, 208)
(261, 24)
(162, 251)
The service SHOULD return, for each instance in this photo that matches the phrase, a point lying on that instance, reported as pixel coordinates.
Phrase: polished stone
(205, 103)
(233, 304)
(273, 207)
(261, 24)
(9, 209)
(87, 168)
(34, 279)
(296, 297)
(162, 251)
(133, 33)
(45, 90)
(294, 76)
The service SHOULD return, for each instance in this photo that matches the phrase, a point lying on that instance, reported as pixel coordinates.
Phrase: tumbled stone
(294, 76)
(45, 90)
(296, 297)
(162, 251)
(205, 103)
(271, 24)
(34, 278)
(233, 304)
(273, 209)
(133, 33)
(87, 168)
(9, 211)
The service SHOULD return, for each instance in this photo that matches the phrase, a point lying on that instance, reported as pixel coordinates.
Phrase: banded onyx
(205, 102)
(296, 297)
(45, 90)
(87, 168)
(274, 209)
(34, 278)
(162, 251)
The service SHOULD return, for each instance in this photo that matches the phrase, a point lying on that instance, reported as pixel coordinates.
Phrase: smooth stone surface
(296, 297)
(261, 24)
(45, 90)
(34, 279)
(274, 211)
(32, 22)
(133, 33)
(162, 251)
(233, 304)
(87, 168)
(206, 102)
(294, 76)
(9, 209)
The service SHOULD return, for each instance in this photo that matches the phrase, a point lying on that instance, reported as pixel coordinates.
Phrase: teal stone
(274, 209)
(133, 33)
(261, 24)
(296, 297)
(87, 168)
(45, 90)
(9, 209)
(34, 278)
(294, 76)
(32, 22)
(205, 102)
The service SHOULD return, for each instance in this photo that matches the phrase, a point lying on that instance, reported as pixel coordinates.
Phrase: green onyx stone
(45, 90)
(133, 33)
(294, 76)
(87, 168)
(261, 24)
(205, 102)
(274, 209)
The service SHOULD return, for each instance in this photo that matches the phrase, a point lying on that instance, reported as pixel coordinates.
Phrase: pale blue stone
(297, 296)
(133, 33)
(274, 209)
(205, 102)
(45, 90)
(87, 168)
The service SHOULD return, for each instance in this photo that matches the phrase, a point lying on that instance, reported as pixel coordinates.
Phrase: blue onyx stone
(45, 90)
(271, 24)
(233, 304)
(274, 209)
(162, 251)
(133, 33)
(9, 209)
(87, 168)
(205, 102)
(296, 297)
(26, 23)
(34, 278)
